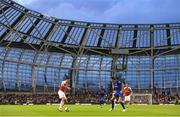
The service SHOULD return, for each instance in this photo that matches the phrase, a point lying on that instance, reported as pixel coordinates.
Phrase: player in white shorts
(127, 93)
(63, 87)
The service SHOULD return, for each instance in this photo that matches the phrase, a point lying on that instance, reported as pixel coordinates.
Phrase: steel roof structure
(30, 33)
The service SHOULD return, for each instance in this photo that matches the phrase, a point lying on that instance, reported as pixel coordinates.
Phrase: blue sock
(122, 104)
(112, 104)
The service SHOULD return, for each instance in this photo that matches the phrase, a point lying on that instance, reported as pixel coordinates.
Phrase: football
(67, 109)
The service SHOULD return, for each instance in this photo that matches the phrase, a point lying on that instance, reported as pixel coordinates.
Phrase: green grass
(89, 110)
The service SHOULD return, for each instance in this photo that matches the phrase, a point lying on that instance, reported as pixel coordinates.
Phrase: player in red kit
(63, 87)
(127, 94)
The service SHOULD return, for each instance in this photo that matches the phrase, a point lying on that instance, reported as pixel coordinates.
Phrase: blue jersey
(117, 86)
(102, 93)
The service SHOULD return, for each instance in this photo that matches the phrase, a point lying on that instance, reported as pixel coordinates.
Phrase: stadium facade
(37, 51)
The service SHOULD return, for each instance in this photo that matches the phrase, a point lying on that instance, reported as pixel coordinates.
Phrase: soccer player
(117, 93)
(102, 94)
(127, 93)
(63, 87)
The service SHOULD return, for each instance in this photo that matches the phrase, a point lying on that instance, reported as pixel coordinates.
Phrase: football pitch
(89, 110)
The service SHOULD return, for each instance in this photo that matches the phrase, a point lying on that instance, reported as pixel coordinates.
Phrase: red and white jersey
(127, 91)
(63, 86)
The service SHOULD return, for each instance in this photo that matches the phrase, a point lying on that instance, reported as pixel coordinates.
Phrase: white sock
(61, 104)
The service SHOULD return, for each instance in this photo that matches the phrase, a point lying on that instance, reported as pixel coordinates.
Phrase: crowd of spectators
(162, 98)
(80, 97)
(88, 97)
(28, 98)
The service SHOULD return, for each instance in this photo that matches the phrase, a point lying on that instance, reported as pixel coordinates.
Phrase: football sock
(112, 104)
(122, 104)
(61, 104)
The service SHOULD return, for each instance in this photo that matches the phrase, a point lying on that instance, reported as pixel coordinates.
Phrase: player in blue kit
(102, 94)
(117, 93)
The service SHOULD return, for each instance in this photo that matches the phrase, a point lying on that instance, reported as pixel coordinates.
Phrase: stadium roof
(24, 28)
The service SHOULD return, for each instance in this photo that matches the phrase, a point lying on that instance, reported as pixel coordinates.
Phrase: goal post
(141, 98)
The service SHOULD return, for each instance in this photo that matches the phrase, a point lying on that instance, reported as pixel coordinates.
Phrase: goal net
(141, 98)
